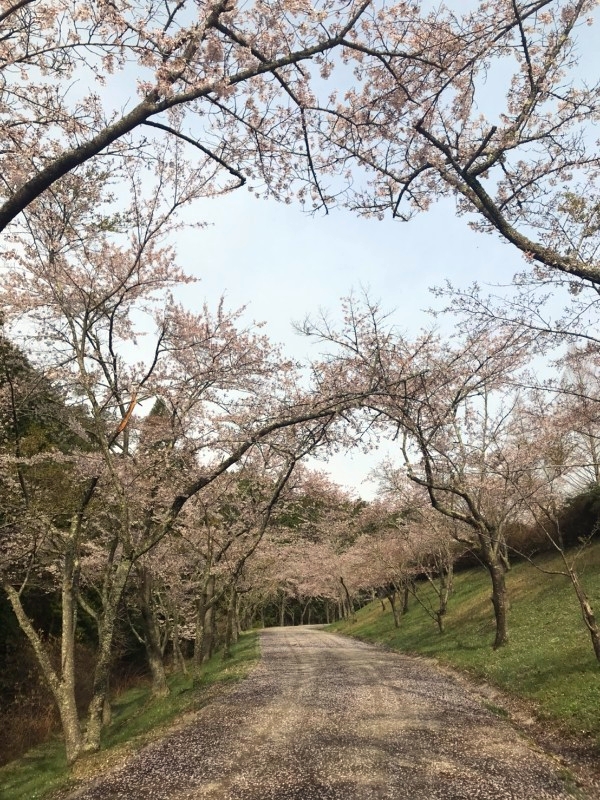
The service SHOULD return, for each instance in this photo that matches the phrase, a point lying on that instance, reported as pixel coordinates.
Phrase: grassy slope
(549, 658)
(137, 719)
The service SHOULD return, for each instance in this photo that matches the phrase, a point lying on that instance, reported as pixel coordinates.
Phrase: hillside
(549, 659)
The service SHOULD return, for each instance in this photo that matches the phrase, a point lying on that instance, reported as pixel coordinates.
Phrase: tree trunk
(208, 639)
(62, 684)
(391, 596)
(446, 575)
(71, 726)
(151, 632)
(304, 610)
(63, 688)
(587, 611)
(349, 603)
(199, 632)
(178, 658)
(229, 626)
(106, 629)
(499, 601)
(68, 706)
(236, 624)
(503, 553)
(282, 611)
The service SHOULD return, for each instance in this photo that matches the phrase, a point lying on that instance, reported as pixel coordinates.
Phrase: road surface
(328, 718)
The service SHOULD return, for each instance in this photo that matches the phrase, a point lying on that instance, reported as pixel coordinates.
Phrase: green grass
(137, 719)
(549, 658)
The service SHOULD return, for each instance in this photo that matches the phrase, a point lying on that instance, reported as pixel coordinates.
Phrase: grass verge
(138, 718)
(549, 659)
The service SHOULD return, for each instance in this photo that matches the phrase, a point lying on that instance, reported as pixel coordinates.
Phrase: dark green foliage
(35, 419)
(579, 519)
(34, 414)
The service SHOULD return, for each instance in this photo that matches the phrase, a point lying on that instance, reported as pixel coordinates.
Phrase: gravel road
(328, 718)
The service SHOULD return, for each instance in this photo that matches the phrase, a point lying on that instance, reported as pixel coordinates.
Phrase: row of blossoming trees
(177, 422)
(150, 451)
(157, 476)
(164, 482)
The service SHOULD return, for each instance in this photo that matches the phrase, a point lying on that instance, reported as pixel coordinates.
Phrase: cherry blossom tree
(328, 549)
(88, 288)
(448, 403)
(188, 576)
(457, 430)
(229, 84)
(226, 81)
(240, 520)
(302, 559)
(414, 545)
(488, 104)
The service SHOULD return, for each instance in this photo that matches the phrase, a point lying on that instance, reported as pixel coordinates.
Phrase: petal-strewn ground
(328, 718)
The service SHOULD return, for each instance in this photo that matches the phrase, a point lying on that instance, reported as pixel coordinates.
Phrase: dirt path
(328, 718)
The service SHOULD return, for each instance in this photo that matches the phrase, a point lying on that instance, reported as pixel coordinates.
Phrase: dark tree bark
(497, 570)
(106, 628)
(151, 632)
(348, 600)
(282, 611)
(397, 614)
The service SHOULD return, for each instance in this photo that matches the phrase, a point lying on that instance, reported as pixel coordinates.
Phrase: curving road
(328, 718)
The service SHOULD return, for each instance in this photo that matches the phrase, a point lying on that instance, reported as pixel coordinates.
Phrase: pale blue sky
(284, 264)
